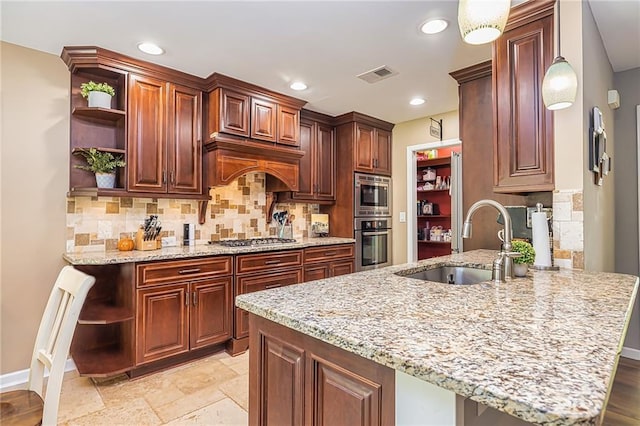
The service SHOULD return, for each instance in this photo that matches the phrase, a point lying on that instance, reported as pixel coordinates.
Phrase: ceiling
(269, 43)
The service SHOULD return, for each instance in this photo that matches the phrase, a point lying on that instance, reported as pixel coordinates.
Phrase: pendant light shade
(482, 21)
(560, 83)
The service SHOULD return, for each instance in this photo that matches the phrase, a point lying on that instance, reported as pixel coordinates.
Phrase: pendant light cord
(559, 54)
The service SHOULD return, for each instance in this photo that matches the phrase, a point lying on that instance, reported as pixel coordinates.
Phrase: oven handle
(367, 233)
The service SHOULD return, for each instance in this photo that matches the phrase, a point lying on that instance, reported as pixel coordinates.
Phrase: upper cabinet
(165, 131)
(370, 140)
(317, 176)
(523, 136)
(155, 124)
(242, 109)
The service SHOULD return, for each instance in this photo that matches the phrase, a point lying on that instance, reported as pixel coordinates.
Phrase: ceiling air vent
(377, 74)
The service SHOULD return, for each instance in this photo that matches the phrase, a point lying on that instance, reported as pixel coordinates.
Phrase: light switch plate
(403, 217)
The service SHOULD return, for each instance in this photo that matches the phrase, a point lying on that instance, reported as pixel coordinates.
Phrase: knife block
(143, 245)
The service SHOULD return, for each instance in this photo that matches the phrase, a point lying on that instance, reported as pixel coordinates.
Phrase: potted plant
(99, 94)
(103, 164)
(526, 258)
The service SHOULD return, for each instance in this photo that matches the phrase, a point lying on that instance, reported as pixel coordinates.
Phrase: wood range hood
(229, 158)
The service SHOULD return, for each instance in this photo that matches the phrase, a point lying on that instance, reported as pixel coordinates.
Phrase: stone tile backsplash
(238, 210)
(568, 229)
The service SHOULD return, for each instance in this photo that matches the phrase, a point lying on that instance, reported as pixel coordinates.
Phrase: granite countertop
(541, 348)
(167, 253)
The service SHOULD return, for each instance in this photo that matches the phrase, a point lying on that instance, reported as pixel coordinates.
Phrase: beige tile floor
(210, 391)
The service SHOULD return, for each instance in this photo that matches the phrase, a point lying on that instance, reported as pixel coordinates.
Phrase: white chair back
(54, 337)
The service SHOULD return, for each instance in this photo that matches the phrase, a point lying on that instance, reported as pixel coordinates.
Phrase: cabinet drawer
(183, 270)
(265, 261)
(251, 283)
(322, 254)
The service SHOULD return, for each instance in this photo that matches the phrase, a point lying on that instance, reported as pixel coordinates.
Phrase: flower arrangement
(526, 250)
(91, 86)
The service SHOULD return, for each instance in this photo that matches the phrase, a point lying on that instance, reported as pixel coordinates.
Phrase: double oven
(372, 221)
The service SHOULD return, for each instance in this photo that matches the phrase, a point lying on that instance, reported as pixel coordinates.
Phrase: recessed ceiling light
(434, 26)
(416, 101)
(150, 48)
(298, 85)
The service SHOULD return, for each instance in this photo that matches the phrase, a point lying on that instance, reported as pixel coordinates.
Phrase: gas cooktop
(253, 242)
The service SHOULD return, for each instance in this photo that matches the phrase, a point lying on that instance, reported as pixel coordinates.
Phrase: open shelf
(99, 113)
(99, 148)
(432, 190)
(102, 362)
(105, 314)
(434, 216)
(437, 243)
(434, 162)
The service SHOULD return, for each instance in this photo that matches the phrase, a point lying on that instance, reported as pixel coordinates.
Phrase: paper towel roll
(540, 234)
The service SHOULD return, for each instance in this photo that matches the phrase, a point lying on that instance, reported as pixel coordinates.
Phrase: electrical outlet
(403, 217)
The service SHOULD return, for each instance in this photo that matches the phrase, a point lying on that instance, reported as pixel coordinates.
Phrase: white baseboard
(21, 377)
(631, 353)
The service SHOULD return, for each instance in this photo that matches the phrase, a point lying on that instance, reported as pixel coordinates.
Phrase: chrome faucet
(503, 264)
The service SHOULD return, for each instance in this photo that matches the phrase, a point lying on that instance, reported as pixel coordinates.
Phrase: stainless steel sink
(452, 275)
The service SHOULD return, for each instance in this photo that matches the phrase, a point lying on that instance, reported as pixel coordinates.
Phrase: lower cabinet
(328, 261)
(295, 379)
(183, 315)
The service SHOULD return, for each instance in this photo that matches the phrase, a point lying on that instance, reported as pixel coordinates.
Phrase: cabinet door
(210, 316)
(341, 396)
(162, 323)
(288, 125)
(263, 120)
(306, 185)
(184, 150)
(278, 383)
(325, 169)
(524, 146)
(234, 113)
(363, 160)
(382, 157)
(343, 267)
(146, 151)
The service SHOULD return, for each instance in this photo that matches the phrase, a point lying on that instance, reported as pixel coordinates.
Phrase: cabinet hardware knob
(186, 299)
(195, 298)
(189, 271)
(164, 176)
(330, 253)
(272, 286)
(271, 262)
(172, 177)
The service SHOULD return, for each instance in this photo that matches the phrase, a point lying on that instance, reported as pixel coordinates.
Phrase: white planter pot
(520, 269)
(99, 100)
(106, 180)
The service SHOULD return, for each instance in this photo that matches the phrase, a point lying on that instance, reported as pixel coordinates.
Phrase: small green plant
(99, 161)
(526, 250)
(85, 88)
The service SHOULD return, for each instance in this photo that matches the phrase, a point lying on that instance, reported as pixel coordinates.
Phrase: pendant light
(482, 21)
(560, 82)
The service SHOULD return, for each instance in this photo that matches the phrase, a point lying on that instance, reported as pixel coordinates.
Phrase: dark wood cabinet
(242, 109)
(103, 342)
(261, 271)
(155, 124)
(328, 261)
(372, 150)
(363, 144)
(523, 137)
(295, 379)
(165, 151)
(317, 182)
(178, 310)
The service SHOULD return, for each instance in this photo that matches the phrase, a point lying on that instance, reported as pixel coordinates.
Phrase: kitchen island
(542, 349)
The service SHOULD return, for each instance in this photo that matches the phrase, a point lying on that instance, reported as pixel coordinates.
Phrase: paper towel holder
(548, 214)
